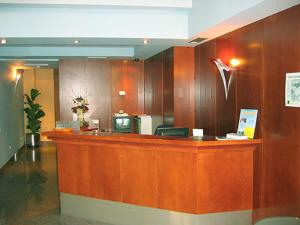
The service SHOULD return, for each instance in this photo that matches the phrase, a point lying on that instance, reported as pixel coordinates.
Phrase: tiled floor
(28, 190)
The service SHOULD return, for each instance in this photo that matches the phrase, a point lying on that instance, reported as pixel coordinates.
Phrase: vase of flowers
(80, 108)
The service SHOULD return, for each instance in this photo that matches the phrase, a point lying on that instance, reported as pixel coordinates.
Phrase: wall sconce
(17, 76)
(226, 72)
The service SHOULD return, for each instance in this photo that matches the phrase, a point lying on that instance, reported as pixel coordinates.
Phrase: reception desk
(183, 175)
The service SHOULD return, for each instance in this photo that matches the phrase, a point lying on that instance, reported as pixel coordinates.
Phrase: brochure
(247, 122)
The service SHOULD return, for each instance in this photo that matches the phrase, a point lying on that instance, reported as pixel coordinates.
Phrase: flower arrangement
(80, 108)
(81, 104)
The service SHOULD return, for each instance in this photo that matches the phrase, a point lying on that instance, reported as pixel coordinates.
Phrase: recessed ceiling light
(38, 65)
(76, 41)
(146, 41)
(3, 41)
(97, 57)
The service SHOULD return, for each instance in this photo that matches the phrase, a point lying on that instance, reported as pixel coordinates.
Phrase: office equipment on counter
(160, 126)
(143, 124)
(94, 124)
(173, 131)
(74, 125)
(146, 124)
(198, 132)
(122, 124)
(234, 136)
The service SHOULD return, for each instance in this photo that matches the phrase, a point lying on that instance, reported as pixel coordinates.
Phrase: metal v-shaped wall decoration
(226, 74)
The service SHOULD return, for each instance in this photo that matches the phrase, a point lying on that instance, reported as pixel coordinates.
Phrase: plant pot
(32, 140)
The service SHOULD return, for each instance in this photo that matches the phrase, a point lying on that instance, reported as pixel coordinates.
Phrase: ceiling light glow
(76, 41)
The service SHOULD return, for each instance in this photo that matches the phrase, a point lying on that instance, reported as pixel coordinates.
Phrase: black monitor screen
(173, 131)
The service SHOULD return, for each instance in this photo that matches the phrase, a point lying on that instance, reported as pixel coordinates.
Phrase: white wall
(11, 115)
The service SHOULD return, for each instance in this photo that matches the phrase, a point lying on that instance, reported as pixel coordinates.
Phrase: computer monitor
(173, 131)
(122, 124)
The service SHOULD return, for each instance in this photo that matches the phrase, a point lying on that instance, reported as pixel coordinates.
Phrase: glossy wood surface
(281, 125)
(168, 86)
(184, 87)
(226, 111)
(127, 76)
(154, 85)
(91, 79)
(205, 92)
(168, 173)
(100, 82)
(267, 49)
(221, 169)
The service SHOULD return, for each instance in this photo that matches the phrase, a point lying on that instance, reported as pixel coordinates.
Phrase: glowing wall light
(226, 72)
(17, 73)
(234, 62)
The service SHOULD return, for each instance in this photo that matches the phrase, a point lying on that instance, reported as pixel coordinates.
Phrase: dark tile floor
(28, 190)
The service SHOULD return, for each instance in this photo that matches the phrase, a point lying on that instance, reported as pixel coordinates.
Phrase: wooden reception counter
(177, 174)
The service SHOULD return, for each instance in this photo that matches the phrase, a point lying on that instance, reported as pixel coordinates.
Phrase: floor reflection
(28, 190)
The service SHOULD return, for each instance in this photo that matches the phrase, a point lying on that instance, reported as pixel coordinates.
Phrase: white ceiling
(117, 28)
(122, 3)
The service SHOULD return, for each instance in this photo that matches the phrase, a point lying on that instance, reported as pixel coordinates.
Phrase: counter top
(146, 139)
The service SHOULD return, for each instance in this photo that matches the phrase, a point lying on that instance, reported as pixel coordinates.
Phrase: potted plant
(33, 113)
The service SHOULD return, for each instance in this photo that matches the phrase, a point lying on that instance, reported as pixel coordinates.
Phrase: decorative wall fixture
(17, 76)
(226, 73)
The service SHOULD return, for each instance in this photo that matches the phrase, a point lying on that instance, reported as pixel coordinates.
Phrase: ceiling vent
(197, 40)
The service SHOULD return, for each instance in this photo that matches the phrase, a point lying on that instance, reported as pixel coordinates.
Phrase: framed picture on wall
(292, 90)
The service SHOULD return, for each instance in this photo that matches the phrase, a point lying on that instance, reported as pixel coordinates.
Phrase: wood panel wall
(127, 76)
(205, 88)
(170, 85)
(100, 82)
(154, 85)
(268, 49)
(184, 87)
(281, 125)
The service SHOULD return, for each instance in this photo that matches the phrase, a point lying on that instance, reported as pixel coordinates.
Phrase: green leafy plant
(33, 111)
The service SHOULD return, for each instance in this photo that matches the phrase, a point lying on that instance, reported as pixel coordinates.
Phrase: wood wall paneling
(226, 115)
(100, 82)
(168, 86)
(268, 49)
(91, 79)
(148, 99)
(128, 76)
(281, 155)
(249, 45)
(154, 85)
(184, 83)
(206, 76)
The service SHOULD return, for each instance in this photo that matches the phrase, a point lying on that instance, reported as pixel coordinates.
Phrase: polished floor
(28, 190)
